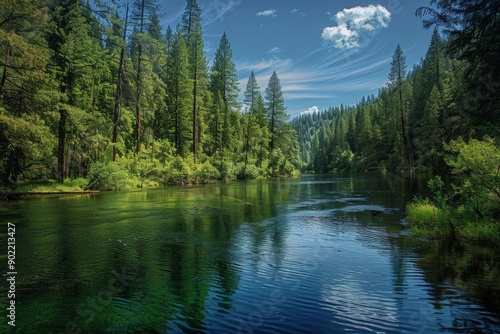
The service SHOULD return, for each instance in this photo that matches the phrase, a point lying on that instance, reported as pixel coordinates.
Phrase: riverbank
(446, 222)
(12, 195)
(46, 188)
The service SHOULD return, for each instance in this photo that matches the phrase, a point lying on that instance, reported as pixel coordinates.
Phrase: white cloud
(341, 36)
(311, 110)
(356, 24)
(298, 12)
(268, 12)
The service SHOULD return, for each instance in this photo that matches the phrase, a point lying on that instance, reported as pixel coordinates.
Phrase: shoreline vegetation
(456, 223)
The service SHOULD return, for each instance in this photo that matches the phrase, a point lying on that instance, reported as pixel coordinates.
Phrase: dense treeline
(406, 125)
(109, 95)
(442, 116)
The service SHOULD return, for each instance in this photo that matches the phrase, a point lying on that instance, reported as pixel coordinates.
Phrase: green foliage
(68, 106)
(279, 165)
(422, 212)
(248, 171)
(477, 167)
(227, 170)
(475, 215)
(26, 144)
(436, 185)
(206, 172)
(107, 176)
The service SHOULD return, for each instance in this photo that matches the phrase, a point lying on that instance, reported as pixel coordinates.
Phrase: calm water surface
(286, 256)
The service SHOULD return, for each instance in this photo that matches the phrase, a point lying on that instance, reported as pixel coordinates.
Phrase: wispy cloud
(217, 10)
(297, 12)
(323, 75)
(355, 25)
(268, 12)
(274, 50)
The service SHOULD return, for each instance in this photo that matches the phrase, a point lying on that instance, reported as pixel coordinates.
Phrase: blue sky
(324, 52)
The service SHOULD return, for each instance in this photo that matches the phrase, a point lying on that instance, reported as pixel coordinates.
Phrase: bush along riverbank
(155, 168)
(469, 209)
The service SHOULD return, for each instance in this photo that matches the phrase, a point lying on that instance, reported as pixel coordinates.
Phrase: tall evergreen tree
(179, 97)
(119, 87)
(192, 30)
(276, 110)
(252, 95)
(77, 64)
(224, 88)
(397, 76)
(473, 28)
(143, 12)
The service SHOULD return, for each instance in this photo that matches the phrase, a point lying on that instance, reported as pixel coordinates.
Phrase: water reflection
(284, 256)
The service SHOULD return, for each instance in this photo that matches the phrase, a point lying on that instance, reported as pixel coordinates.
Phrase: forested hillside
(408, 126)
(108, 96)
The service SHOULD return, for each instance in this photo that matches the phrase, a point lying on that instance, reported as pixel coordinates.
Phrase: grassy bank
(49, 185)
(448, 222)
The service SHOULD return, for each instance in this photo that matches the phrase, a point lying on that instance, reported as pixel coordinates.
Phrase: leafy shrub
(205, 172)
(250, 171)
(477, 166)
(78, 183)
(177, 170)
(228, 170)
(107, 176)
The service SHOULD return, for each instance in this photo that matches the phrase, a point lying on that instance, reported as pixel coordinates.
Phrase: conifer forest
(102, 96)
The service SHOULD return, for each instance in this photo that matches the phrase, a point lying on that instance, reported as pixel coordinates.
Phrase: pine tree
(252, 98)
(473, 28)
(262, 136)
(78, 66)
(397, 77)
(283, 138)
(192, 30)
(143, 12)
(224, 88)
(119, 87)
(179, 97)
(276, 111)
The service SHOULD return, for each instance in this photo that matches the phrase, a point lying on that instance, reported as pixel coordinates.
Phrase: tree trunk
(194, 111)
(4, 75)
(138, 103)
(61, 161)
(138, 95)
(118, 94)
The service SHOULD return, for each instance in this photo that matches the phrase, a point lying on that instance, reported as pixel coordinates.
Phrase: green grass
(422, 213)
(427, 220)
(482, 232)
(52, 185)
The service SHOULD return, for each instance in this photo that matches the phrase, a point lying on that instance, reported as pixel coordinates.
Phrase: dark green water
(289, 256)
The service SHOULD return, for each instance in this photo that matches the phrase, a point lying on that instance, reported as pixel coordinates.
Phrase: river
(317, 254)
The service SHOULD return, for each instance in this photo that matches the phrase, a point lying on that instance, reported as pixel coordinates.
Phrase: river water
(318, 254)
